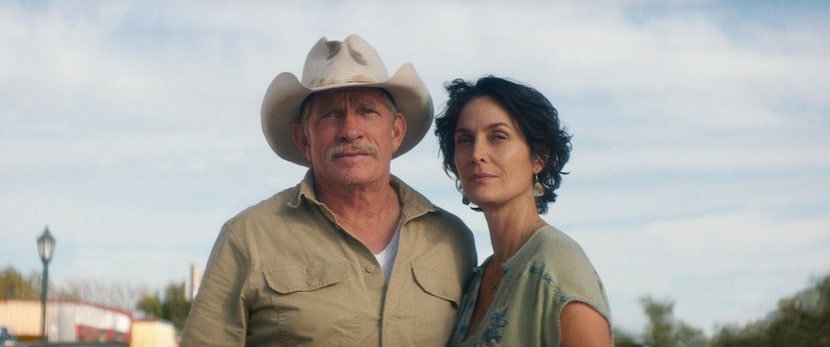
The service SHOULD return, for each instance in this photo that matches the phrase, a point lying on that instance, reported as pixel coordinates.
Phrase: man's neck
(346, 198)
(369, 212)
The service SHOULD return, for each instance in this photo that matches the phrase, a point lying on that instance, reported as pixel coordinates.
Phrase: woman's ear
(540, 161)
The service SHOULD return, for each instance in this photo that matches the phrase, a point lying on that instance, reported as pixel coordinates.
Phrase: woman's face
(492, 156)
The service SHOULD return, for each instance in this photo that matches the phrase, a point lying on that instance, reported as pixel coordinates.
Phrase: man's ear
(399, 130)
(300, 138)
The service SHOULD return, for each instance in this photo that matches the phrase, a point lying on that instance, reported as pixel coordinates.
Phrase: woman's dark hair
(532, 111)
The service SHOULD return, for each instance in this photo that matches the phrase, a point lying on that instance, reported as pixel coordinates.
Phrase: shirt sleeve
(218, 316)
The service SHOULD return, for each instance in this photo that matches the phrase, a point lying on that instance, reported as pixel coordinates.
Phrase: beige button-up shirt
(284, 273)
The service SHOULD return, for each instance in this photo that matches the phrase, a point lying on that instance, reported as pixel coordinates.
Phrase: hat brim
(284, 98)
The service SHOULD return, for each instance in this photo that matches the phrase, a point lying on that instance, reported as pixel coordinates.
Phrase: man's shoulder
(271, 206)
(416, 204)
(445, 216)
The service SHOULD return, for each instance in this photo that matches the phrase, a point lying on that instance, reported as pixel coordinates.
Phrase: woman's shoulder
(551, 243)
(558, 254)
(561, 262)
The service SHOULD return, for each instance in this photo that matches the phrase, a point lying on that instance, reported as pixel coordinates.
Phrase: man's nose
(351, 128)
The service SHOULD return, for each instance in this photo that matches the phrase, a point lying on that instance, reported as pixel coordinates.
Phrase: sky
(700, 163)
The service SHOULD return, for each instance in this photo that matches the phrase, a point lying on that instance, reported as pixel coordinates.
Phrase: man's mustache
(346, 149)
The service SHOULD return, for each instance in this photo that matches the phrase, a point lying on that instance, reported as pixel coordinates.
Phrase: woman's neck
(509, 230)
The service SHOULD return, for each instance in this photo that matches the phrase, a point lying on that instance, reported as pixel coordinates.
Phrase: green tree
(801, 320)
(733, 335)
(151, 305)
(658, 332)
(663, 330)
(173, 307)
(14, 286)
(625, 339)
(176, 307)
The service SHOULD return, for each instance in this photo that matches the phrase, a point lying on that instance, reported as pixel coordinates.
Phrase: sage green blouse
(549, 271)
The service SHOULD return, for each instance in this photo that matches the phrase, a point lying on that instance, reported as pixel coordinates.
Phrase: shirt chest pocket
(310, 301)
(309, 277)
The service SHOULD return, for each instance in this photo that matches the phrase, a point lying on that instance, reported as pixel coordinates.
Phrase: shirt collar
(414, 203)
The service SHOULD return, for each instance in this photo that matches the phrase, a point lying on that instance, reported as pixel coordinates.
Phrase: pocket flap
(437, 283)
(306, 277)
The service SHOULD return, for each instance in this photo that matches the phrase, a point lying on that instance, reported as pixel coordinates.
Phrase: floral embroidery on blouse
(494, 325)
(538, 271)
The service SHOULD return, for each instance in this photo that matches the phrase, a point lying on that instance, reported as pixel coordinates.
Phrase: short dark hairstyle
(532, 111)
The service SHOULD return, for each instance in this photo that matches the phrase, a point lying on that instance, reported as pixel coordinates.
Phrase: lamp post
(45, 246)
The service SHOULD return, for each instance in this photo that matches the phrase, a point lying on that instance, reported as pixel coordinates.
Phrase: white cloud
(700, 143)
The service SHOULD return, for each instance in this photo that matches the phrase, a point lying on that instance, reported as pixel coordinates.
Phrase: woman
(503, 144)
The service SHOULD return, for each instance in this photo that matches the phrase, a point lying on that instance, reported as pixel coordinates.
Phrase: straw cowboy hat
(335, 64)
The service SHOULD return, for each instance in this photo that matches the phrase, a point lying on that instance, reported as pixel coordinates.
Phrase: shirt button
(370, 268)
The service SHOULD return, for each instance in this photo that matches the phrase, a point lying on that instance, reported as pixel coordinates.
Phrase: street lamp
(45, 246)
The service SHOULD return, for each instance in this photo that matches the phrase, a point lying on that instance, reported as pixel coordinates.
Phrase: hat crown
(331, 65)
(351, 61)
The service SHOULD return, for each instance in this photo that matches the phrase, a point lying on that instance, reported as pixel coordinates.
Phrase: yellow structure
(153, 333)
(84, 322)
(22, 317)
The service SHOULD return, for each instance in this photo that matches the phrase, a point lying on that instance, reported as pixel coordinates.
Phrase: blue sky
(701, 148)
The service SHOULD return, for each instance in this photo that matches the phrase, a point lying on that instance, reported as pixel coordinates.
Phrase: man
(351, 256)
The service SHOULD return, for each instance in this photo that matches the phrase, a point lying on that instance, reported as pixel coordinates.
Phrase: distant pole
(43, 288)
(45, 246)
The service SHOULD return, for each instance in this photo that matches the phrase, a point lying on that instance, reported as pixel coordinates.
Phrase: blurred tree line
(14, 286)
(800, 320)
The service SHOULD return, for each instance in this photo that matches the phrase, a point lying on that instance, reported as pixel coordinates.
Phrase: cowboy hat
(335, 64)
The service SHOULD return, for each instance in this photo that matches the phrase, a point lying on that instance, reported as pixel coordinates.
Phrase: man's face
(349, 135)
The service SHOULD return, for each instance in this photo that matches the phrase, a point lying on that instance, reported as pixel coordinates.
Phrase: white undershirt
(386, 257)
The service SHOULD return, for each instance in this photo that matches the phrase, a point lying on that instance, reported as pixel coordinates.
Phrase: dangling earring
(464, 199)
(538, 189)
